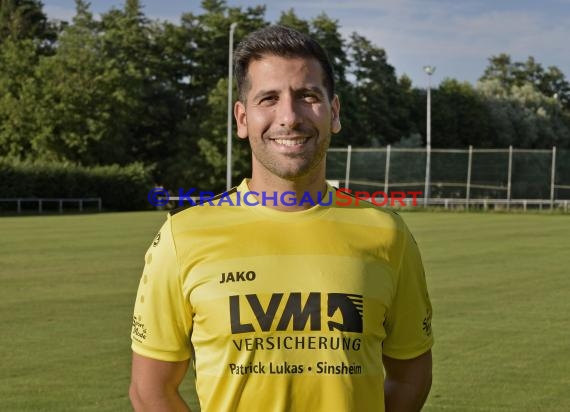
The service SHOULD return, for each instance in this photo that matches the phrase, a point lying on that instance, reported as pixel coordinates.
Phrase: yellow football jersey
(284, 311)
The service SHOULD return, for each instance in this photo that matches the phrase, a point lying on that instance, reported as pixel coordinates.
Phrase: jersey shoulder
(365, 212)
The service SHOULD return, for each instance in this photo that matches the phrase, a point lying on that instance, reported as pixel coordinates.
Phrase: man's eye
(268, 100)
(310, 98)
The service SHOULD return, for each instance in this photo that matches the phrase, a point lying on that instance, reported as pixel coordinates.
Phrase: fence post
(81, 205)
(99, 203)
(387, 173)
(552, 177)
(19, 206)
(347, 175)
(60, 206)
(40, 208)
(510, 175)
(469, 162)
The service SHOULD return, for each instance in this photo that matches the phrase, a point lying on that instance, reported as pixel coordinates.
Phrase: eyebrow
(314, 89)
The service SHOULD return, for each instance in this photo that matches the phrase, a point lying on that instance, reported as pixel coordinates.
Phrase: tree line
(124, 88)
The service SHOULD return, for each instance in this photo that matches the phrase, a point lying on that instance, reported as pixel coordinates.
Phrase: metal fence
(462, 176)
(31, 204)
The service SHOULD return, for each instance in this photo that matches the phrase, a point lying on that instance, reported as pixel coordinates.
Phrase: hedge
(119, 187)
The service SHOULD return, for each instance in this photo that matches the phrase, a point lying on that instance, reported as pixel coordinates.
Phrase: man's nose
(288, 112)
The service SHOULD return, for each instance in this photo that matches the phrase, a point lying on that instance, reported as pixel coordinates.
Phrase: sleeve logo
(156, 240)
(139, 331)
(426, 324)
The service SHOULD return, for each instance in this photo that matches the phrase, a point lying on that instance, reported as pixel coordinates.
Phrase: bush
(119, 187)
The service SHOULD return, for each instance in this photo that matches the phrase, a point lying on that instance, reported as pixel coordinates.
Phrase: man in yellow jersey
(283, 298)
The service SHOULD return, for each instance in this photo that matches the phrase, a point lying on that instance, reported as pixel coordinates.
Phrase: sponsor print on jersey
(139, 331)
(296, 312)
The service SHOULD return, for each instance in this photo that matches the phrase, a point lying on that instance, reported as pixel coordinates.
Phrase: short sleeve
(408, 322)
(162, 318)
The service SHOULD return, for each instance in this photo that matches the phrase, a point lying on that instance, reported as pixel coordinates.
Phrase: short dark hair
(279, 41)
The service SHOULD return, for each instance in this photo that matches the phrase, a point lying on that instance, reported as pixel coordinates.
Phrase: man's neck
(294, 192)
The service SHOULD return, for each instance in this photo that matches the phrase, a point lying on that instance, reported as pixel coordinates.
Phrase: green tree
(148, 105)
(201, 151)
(524, 117)
(459, 116)
(213, 147)
(383, 103)
(550, 82)
(209, 36)
(106, 96)
(290, 19)
(73, 100)
(25, 19)
(500, 68)
(327, 32)
(18, 83)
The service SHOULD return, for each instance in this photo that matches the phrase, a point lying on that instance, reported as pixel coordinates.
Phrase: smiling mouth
(291, 142)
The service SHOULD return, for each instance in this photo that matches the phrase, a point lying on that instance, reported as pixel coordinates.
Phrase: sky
(455, 36)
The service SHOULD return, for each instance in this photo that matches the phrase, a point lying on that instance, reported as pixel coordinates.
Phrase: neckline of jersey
(317, 210)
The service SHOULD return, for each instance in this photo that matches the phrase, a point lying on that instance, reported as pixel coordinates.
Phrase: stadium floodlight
(230, 114)
(429, 71)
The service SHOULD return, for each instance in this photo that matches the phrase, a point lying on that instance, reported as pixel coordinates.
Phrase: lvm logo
(297, 312)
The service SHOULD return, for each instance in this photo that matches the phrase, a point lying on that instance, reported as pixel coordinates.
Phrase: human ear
(241, 120)
(335, 118)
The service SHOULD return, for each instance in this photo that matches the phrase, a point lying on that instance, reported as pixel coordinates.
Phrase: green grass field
(500, 286)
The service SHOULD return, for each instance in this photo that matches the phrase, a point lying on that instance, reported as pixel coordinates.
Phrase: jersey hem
(160, 355)
(401, 355)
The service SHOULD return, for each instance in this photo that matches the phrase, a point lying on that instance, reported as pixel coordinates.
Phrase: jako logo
(238, 276)
(349, 305)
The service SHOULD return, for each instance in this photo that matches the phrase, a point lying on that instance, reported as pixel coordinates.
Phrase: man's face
(287, 117)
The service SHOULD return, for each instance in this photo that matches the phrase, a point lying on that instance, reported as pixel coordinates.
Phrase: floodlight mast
(230, 114)
(429, 70)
